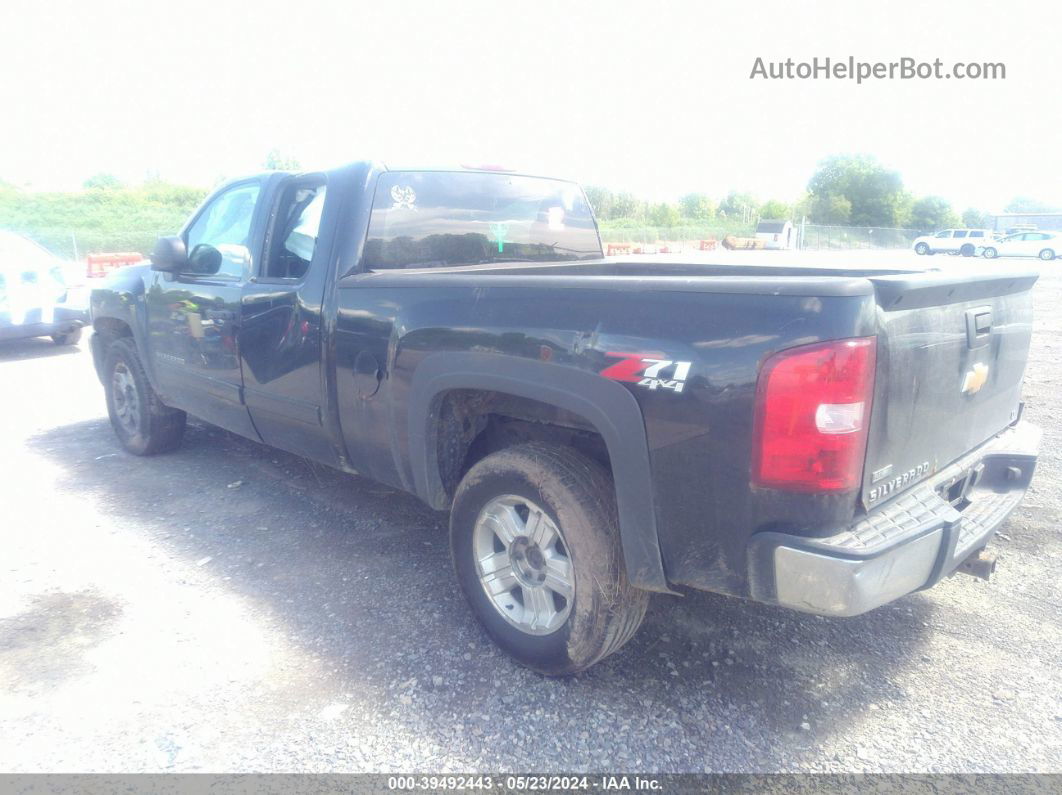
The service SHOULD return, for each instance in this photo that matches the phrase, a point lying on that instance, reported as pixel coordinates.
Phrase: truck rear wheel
(535, 540)
(143, 423)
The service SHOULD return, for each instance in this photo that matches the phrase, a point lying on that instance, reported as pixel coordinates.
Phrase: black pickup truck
(827, 439)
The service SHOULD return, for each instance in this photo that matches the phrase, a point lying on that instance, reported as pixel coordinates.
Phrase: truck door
(280, 334)
(193, 315)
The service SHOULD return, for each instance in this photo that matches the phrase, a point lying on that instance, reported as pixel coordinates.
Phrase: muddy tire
(535, 540)
(143, 423)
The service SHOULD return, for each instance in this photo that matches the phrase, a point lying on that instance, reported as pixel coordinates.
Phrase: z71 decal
(648, 370)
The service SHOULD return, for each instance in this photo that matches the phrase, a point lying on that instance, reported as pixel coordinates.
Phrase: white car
(35, 299)
(967, 242)
(1045, 245)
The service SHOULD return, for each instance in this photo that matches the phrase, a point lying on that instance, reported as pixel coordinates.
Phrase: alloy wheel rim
(126, 400)
(523, 564)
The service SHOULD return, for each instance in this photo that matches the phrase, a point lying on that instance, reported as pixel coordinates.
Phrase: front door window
(218, 242)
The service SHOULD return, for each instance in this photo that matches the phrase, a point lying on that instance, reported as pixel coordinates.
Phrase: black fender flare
(606, 405)
(122, 301)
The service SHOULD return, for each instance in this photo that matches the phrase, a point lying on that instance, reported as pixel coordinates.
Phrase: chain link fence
(651, 239)
(817, 237)
(77, 243)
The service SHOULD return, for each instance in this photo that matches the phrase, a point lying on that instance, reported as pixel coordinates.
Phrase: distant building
(1005, 221)
(776, 234)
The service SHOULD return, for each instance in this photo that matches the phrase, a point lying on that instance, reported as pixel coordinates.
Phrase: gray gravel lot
(232, 608)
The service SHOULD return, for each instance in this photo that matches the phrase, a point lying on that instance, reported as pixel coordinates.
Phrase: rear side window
(977, 234)
(293, 239)
(436, 219)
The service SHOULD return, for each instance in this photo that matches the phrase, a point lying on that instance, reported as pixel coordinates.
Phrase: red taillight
(812, 414)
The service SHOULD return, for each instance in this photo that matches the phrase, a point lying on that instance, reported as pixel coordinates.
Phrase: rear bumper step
(907, 544)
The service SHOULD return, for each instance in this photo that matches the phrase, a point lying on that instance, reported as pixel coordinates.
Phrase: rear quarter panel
(699, 440)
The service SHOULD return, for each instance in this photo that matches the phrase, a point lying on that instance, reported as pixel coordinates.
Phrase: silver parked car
(1045, 245)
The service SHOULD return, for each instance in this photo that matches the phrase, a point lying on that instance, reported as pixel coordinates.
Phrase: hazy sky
(651, 97)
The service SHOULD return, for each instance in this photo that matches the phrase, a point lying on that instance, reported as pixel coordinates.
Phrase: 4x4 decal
(648, 370)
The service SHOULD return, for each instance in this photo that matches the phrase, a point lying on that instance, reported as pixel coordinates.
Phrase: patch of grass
(123, 219)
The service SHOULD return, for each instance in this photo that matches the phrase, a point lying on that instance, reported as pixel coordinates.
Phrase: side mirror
(169, 255)
(205, 260)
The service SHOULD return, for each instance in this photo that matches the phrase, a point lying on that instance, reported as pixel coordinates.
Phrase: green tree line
(845, 190)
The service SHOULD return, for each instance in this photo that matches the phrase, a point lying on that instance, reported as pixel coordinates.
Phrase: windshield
(25, 264)
(19, 252)
(440, 219)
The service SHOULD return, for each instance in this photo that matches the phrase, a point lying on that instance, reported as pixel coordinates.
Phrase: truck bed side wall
(697, 441)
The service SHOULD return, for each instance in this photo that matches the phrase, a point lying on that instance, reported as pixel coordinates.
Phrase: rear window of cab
(432, 219)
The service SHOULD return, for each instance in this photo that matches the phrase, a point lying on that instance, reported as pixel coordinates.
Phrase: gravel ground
(230, 608)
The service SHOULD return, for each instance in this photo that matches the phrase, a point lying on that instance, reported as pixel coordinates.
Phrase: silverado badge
(975, 378)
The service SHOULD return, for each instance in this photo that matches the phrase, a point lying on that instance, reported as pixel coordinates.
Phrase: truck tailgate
(952, 348)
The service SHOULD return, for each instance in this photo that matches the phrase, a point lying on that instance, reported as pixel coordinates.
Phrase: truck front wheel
(142, 423)
(535, 540)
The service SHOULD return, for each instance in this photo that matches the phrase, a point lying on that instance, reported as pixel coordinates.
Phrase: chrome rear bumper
(907, 544)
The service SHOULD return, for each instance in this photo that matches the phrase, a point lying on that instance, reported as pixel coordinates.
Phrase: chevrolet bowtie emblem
(975, 378)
